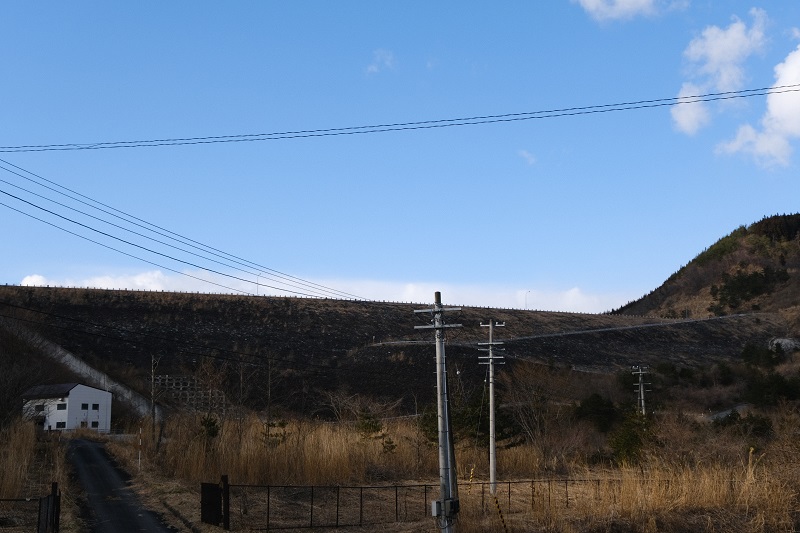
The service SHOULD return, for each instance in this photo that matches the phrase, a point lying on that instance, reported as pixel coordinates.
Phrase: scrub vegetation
(688, 465)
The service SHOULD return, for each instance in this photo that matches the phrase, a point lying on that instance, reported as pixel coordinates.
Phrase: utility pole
(153, 365)
(640, 388)
(447, 507)
(491, 360)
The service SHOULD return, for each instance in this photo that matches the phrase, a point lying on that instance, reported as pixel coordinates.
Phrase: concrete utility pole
(640, 388)
(491, 360)
(447, 507)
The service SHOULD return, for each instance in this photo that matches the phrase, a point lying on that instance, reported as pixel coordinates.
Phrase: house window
(61, 425)
(84, 407)
(95, 424)
(61, 406)
(83, 423)
(95, 407)
(39, 408)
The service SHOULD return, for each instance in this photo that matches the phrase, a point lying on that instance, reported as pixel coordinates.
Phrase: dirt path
(112, 507)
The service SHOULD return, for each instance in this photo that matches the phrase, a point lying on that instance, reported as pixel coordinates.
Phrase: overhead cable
(417, 125)
(305, 287)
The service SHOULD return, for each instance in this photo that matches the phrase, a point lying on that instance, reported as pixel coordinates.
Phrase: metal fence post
(55, 509)
(226, 503)
(533, 495)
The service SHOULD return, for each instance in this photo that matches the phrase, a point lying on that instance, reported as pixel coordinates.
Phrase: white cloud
(529, 158)
(770, 146)
(154, 280)
(717, 59)
(382, 59)
(569, 300)
(719, 53)
(627, 9)
(690, 117)
(35, 280)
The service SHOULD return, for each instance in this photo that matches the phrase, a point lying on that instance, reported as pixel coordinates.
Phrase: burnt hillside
(754, 268)
(298, 352)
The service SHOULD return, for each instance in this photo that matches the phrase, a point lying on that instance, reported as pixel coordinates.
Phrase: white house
(68, 406)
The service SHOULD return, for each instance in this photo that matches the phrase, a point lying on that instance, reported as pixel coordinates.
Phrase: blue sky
(577, 213)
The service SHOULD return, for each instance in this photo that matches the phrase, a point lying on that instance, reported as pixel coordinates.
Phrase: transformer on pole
(446, 508)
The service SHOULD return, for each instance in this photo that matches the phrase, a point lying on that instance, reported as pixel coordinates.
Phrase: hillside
(304, 353)
(310, 355)
(754, 268)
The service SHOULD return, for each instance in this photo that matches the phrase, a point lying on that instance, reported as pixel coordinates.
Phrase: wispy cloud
(154, 280)
(382, 59)
(770, 145)
(716, 59)
(603, 10)
(572, 299)
(529, 158)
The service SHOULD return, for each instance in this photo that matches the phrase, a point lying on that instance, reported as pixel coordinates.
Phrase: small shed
(67, 406)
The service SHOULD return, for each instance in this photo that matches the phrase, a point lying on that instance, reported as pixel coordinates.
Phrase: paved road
(112, 505)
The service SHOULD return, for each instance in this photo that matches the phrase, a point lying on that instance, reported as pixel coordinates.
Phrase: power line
(106, 234)
(118, 226)
(516, 339)
(121, 251)
(305, 286)
(405, 126)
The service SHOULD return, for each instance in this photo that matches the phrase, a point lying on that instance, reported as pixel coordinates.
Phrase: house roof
(49, 391)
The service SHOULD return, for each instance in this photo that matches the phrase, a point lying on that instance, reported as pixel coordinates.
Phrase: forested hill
(754, 268)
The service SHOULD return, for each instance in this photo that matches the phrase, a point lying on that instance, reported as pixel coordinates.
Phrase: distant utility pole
(491, 360)
(640, 388)
(446, 508)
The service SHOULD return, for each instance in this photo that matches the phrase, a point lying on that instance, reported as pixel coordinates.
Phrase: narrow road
(112, 505)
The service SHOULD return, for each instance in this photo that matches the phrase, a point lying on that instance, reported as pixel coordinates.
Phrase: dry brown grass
(16, 455)
(29, 464)
(301, 452)
(671, 490)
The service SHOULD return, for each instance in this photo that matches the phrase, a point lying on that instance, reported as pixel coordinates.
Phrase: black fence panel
(211, 504)
(300, 507)
(41, 515)
(50, 511)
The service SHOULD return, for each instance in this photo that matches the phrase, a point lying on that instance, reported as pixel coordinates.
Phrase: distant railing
(282, 507)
